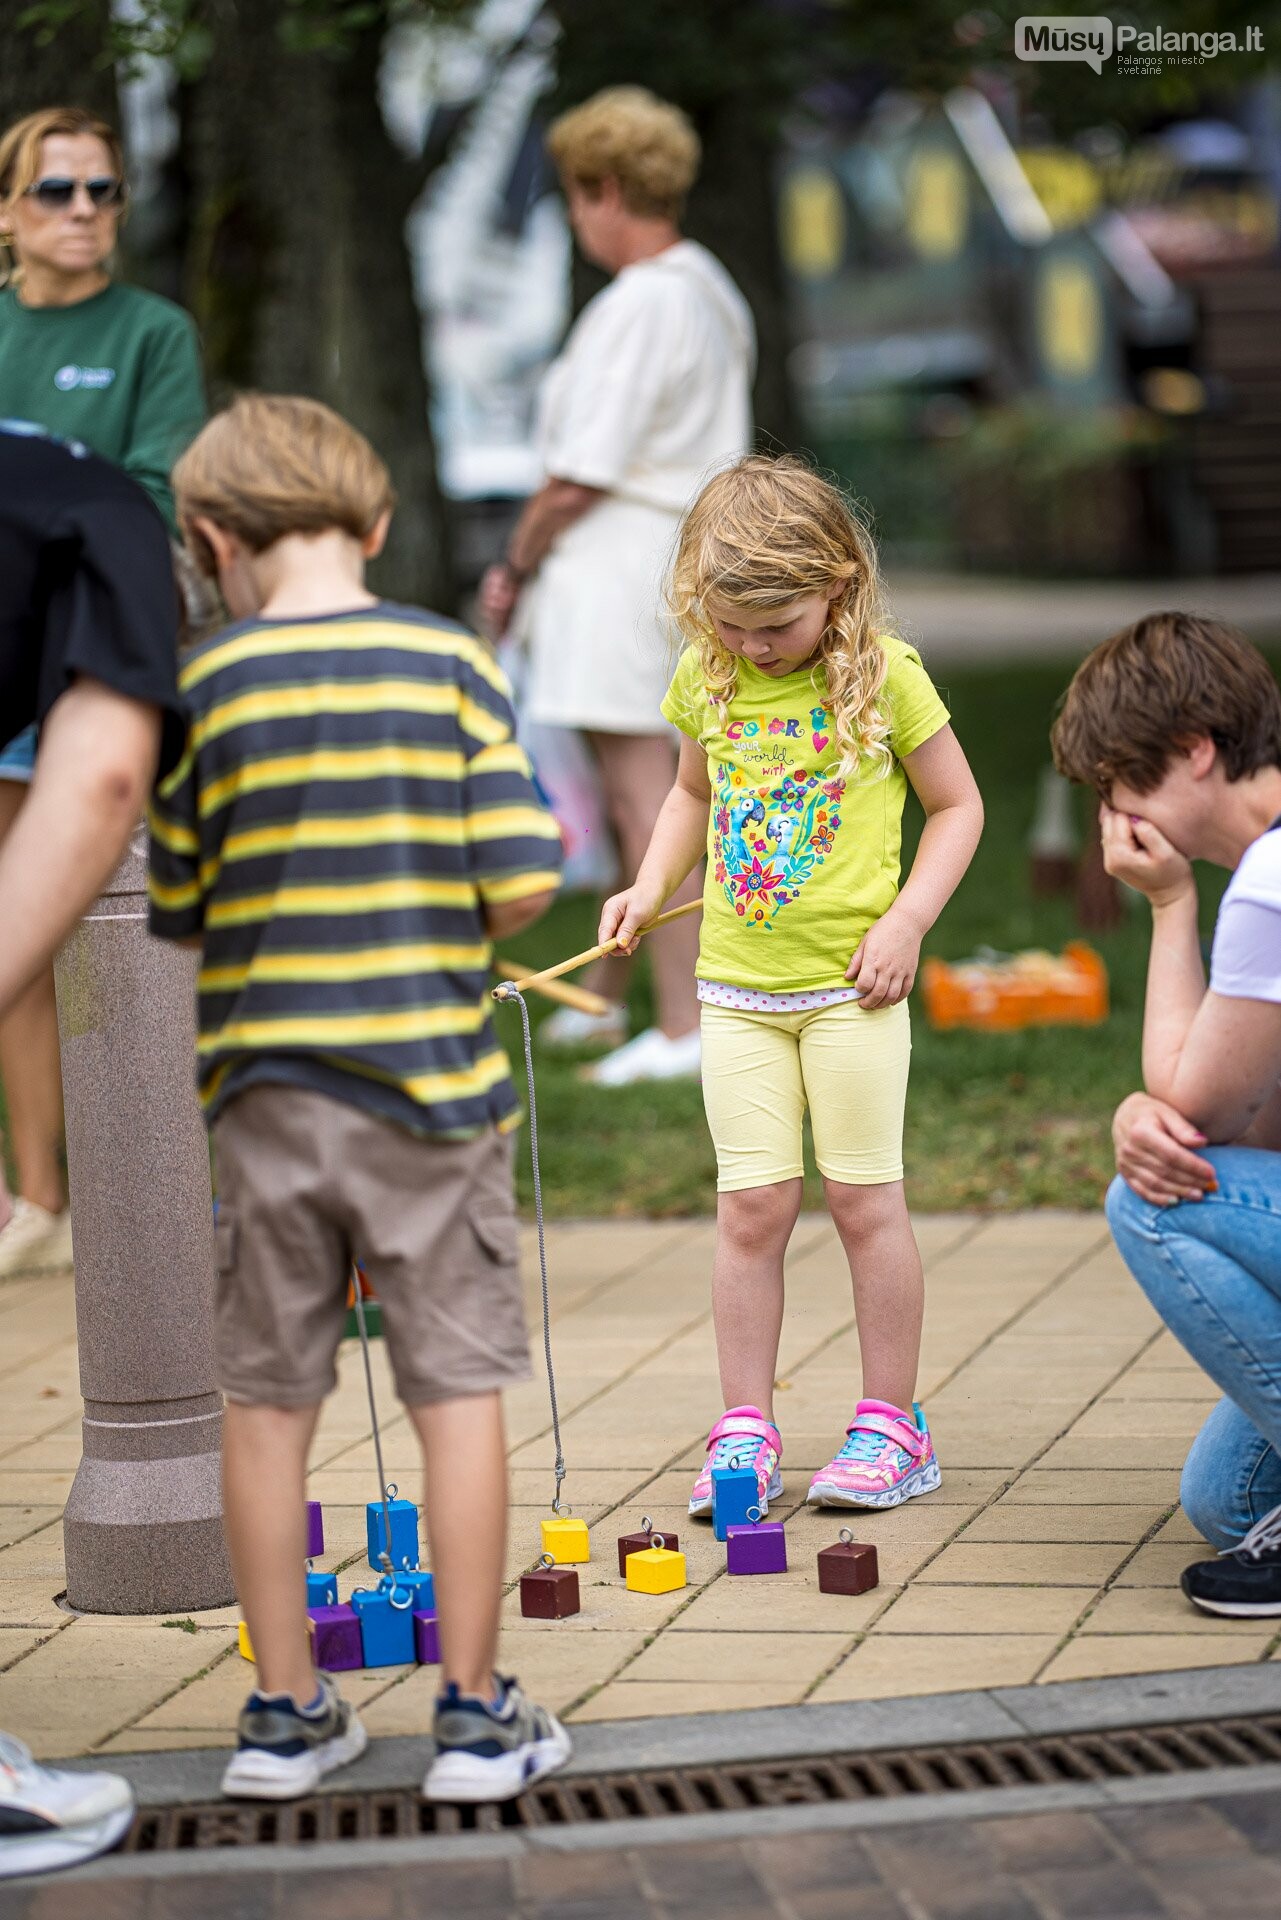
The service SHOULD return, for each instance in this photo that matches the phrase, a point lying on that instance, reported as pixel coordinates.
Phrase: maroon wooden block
(639, 1542)
(549, 1593)
(848, 1567)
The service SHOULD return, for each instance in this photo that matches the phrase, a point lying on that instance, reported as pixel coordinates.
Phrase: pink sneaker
(888, 1457)
(745, 1437)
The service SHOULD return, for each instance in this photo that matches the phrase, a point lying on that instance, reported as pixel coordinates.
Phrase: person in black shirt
(88, 651)
(89, 620)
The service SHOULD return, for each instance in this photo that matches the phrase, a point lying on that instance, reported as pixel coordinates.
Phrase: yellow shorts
(761, 1071)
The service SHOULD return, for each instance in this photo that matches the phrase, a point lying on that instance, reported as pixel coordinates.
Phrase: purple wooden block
(426, 1640)
(315, 1530)
(758, 1549)
(336, 1647)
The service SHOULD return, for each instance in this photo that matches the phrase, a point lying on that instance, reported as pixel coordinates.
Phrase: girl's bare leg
(889, 1285)
(753, 1227)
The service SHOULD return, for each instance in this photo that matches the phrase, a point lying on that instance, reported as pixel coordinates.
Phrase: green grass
(994, 1120)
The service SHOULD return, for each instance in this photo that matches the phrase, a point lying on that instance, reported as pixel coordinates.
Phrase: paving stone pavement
(1062, 1412)
(1195, 1860)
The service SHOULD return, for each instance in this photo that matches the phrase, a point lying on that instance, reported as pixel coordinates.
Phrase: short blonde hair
(272, 464)
(628, 134)
(765, 532)
(20, 156)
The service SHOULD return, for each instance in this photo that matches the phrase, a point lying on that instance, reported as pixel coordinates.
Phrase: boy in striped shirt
(352, 822)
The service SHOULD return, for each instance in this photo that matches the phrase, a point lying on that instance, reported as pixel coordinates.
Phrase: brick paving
(1196, 1860)
(1061, 1409)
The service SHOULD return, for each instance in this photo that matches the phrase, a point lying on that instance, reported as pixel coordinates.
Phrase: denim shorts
(18, 758)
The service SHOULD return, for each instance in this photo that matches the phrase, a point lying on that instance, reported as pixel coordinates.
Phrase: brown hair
(628, 134)
(20, 149)
(271, 464)
(769, 530)
(1151, 688)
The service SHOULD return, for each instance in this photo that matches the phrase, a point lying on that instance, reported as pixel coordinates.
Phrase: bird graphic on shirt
(782, 831)
(749, 807)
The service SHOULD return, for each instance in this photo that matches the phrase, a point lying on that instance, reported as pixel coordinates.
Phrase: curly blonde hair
(765, 532)
(628, 134)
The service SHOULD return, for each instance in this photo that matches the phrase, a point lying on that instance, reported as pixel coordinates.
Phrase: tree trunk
(732, 68)
(733, 211)
(299, 271)
(380, 365)
(69, 70)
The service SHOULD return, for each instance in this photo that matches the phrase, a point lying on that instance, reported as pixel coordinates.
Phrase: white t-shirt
(1246, 960)
(653, 389)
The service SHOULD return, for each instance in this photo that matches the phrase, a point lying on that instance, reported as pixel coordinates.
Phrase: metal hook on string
(386, 1491)
(508, 991)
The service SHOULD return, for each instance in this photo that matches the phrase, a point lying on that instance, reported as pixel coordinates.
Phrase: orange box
(1003, 992)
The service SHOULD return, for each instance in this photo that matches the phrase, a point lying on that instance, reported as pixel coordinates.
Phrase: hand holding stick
(535, 980)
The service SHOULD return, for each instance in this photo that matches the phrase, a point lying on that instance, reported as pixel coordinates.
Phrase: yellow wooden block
(246, 1644)
(655, 1570)
(567, 1542)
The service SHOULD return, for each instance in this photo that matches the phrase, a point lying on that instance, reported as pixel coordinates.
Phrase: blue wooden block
(386, 1630)
(322, 1589)
(404, 1533)
(735, 1499)
(421, 1585)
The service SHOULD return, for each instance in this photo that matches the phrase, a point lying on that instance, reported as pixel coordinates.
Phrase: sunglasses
(105, 190)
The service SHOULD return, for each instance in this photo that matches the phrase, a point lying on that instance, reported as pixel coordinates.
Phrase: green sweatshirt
(119, 371)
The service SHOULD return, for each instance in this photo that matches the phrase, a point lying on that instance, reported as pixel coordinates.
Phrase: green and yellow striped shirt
(351, 799)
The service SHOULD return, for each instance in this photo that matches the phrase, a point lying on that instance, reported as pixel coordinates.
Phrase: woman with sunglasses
(89, 359)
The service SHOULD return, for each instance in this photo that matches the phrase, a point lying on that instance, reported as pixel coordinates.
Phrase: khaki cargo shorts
(306, 1185)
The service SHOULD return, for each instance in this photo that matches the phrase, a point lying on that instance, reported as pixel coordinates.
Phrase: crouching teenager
(1177, 724)
(351, 824)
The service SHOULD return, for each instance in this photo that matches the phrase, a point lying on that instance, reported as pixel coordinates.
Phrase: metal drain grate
(1043, 1760)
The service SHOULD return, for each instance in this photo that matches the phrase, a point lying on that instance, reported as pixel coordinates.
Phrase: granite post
(143, 1524)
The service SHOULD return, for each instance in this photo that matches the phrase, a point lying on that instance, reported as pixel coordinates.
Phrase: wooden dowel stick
(598, 953)
(554, 989)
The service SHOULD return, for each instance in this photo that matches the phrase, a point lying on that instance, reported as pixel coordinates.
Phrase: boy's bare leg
(465, 1496)
(264, 1469)
(889, 1285)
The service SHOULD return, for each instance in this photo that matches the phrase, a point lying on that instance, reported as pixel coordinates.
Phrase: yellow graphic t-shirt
(800, 859)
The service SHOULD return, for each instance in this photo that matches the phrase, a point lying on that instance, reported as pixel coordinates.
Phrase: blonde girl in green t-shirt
(803, 724)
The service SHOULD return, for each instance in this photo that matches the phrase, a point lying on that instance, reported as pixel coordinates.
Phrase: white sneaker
(35, 1241)
(650, 1056)
(53, 1819)
(571, 1027)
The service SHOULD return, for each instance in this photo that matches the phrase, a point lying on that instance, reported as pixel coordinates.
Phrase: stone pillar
(143, 1524)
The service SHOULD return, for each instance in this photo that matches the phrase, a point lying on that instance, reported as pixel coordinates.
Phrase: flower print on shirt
(769, 839)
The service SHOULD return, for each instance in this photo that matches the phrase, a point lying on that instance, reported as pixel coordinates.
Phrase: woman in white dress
(651, 393)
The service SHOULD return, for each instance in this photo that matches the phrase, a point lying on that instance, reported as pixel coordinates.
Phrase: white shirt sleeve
(611, 384)
(1246, 963)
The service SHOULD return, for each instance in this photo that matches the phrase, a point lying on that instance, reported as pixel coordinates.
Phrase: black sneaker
(286, 1750)
(1246, 1580)
(486, 1752)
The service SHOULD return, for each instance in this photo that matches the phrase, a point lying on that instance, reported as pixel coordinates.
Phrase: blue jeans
(1212, 1270)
